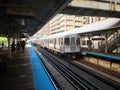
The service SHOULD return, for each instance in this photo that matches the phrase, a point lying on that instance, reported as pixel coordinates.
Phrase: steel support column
(106, 44)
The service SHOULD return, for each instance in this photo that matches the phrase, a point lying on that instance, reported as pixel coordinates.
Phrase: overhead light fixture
(23, 22)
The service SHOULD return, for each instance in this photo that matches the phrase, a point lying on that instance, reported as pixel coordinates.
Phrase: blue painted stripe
(102, 55)
(41, 80)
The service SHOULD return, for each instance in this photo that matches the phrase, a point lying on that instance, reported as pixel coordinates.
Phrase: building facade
(45, 30)
(64, 22)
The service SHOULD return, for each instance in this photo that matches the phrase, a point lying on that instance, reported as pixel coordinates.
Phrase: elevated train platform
(110, 61)
(24, 72)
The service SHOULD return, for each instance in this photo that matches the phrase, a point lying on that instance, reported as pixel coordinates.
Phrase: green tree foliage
(3, 39)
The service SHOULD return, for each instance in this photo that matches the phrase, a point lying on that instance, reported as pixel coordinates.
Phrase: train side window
(54, 41)
(78, 41)
(57, 41)
(50, 41)
(67, 41)
(61, 41)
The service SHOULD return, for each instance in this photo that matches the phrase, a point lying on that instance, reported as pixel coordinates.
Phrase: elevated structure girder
(93, 8)
(108, 6)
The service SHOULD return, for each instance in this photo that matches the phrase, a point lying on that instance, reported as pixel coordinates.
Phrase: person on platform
(2, 44)
(23, 45)
(13, 46)
(13, 49)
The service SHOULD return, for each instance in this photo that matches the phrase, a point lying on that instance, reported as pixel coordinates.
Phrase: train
(65, 44)
(68, 44)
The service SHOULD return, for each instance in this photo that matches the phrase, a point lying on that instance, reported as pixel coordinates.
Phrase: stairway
(111, 40)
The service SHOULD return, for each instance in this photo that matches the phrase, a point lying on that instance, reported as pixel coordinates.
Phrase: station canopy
(26, 17)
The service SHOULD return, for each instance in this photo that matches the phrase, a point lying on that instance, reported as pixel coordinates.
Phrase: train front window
(72, 40)
(78, 41)
(67, 41)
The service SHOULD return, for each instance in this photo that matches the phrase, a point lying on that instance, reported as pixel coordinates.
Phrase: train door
(61, 45)
(77, 44)
(72, 44)
(66, 44)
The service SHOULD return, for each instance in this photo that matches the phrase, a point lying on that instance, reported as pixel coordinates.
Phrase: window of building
(77, 26)
(90, 19)
(94, 19)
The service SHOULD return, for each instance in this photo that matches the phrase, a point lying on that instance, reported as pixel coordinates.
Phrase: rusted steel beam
(109, 6)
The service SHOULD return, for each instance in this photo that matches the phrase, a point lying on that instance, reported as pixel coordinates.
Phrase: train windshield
(78, 41)
(72, 40)
(67, 41)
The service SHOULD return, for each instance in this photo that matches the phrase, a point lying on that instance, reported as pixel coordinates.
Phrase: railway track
(54, 74)
(105, 79)
(74, 77)
(78, 82)
(103, 69)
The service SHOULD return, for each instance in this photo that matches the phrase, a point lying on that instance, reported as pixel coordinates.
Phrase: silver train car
(63, 43)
